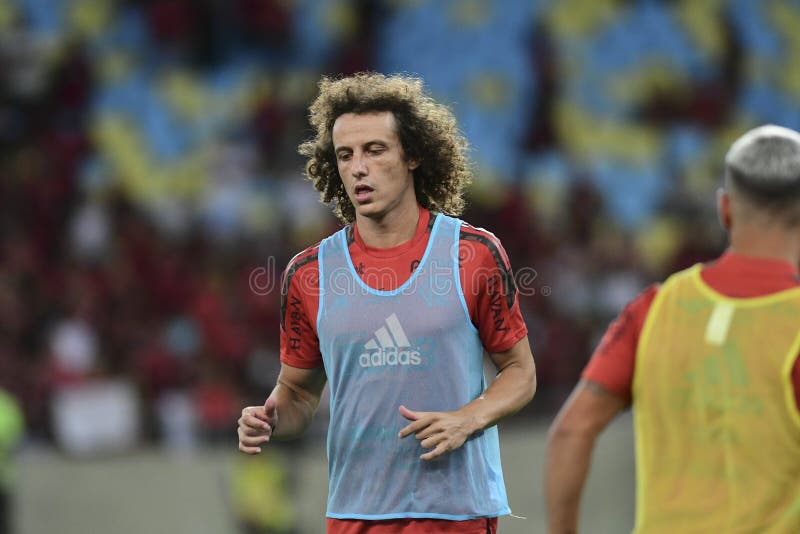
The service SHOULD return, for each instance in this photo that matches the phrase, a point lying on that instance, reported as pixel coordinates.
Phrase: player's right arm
(569, 451)
(604, 391)
(291, 406)
(287, 412)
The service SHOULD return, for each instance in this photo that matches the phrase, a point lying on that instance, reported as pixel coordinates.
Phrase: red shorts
(484, 525)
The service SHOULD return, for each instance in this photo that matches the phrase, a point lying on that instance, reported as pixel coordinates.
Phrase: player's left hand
(442, 431)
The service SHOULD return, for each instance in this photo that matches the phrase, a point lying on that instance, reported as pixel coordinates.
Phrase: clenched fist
(256, 425)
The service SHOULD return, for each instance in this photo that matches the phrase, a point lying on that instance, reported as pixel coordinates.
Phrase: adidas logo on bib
(389, 347)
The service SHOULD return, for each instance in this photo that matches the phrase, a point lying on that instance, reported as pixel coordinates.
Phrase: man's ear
(724, 209)
(413, 164)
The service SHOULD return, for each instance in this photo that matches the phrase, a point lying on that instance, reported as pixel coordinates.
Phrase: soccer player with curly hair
(394, 312)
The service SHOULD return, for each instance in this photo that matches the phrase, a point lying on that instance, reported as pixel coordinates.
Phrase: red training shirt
(490, 294)
(733, 275)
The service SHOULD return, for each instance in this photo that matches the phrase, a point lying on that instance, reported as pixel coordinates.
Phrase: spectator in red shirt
(729, 327)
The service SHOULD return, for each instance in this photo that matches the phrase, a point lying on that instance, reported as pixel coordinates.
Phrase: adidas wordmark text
(389, 347)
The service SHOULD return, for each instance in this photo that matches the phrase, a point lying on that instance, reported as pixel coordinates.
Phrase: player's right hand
(256, 425)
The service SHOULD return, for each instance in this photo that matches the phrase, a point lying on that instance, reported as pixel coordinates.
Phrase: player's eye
(344, 156)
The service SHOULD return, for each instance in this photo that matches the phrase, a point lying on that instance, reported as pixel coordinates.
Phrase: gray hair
(764, 166)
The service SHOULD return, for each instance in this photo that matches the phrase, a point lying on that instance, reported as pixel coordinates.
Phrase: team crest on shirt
(389, 347)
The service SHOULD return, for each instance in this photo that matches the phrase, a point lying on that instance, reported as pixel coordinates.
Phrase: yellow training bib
(717, 426)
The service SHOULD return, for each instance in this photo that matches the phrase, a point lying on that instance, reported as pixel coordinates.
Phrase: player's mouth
(363, 193)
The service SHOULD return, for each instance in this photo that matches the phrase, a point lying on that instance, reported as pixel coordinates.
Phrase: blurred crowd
(151, 193)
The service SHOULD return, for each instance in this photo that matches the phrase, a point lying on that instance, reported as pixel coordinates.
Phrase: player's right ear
(724, 209)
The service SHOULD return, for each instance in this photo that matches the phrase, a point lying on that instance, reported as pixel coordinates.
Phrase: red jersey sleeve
(489, 289)
(796, 381)
(614, 359)
(299, 304)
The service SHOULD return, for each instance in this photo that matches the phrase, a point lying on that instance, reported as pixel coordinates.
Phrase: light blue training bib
(414, 346)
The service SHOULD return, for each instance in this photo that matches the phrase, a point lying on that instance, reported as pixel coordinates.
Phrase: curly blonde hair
(427, 131)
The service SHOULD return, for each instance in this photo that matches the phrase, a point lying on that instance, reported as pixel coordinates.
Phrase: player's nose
(359, 166)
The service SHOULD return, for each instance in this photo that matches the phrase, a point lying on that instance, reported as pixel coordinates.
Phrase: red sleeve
(614, 360)
(489, 289)
(299, 304)
(796, 381)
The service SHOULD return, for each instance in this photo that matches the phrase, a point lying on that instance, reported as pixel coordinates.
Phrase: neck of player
(774, 243)
(393, 228)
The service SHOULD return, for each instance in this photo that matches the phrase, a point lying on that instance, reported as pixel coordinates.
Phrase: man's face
(372, 165)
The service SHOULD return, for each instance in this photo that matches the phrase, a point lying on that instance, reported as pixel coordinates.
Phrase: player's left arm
(491, 298)
(513, 388)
